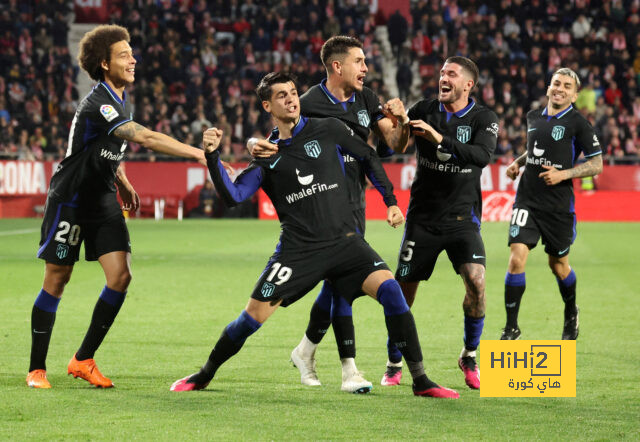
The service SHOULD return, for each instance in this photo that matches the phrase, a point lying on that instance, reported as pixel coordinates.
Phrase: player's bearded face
(562, 91)
(354, 69)
(451, 86)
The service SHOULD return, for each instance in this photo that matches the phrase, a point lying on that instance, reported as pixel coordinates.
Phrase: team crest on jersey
(514, 231)
(62, 251)
(403, 269)
(313, 149)
(557, 132)
(108, 112)
(463, 134)
(363, 118)
(267, 289)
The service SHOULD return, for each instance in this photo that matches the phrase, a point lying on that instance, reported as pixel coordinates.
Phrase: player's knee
(56, 279)
(121, 280)
(390, 296)
(516, 263)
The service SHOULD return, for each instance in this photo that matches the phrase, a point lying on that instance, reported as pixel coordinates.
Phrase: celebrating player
(455, 138)
(82, 204)
(544, 206)
(307, 186)
(343, 95)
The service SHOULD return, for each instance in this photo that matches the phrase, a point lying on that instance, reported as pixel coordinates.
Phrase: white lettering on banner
(267, 208)
(497, 206)
(504, 182)
(407, 175)
(486, 179)
(22, 177)
(89, 3)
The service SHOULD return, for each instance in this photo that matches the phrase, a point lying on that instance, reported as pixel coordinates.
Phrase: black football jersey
(446, 187)
(360, 112)
(554, 141)
(306, 181)
(86, 175)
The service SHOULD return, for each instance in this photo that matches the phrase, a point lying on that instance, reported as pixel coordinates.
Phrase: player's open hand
(513, 170)
(421, 129)
(261, 148)
(394, 110)
(395, 217)
(211, 139)
(552, 176)
(130, 198)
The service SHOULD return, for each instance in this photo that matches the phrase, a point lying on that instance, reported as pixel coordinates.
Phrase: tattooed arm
(158, 142)
(592, 166)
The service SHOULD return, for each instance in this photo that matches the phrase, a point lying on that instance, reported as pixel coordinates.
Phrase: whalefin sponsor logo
(106, 153)
(442, 167)
(537, 152)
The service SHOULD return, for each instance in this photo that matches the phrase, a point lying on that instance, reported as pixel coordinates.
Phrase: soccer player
(455, 137)
(307, 185)
(82, 204)
(343, 95)
(544, 205)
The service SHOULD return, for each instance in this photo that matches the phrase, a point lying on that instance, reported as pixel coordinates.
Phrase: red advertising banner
(91, 11)
(23, 185)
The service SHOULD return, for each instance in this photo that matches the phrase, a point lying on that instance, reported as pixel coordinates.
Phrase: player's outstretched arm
(477, 151)
(394, 130)
(231, 192)
(592, 166)
(362, 152)
(128, 195)
(158, 142)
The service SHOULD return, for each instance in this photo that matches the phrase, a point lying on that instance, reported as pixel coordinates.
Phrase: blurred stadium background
(199, 62)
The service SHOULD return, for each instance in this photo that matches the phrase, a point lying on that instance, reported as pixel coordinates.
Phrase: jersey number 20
(72, 231)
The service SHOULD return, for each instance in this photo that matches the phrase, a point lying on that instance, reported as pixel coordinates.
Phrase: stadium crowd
(199, 63)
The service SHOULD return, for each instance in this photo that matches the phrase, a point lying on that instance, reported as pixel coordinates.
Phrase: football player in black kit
(82, 205)
(544, 205)
(306, 183)
(343, 95)
(455, 137)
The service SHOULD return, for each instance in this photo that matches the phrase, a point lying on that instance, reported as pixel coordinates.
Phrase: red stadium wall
(23, 187)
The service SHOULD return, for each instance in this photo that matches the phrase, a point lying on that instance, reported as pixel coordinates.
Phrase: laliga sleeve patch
(108, 112)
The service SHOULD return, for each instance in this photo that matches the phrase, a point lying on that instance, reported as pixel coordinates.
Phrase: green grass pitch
(191, 278)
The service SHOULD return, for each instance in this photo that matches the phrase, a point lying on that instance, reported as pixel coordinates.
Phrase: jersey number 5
(407, 250)
(66, 228)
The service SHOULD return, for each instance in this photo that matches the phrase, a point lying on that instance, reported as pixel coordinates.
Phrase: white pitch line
(18, 232)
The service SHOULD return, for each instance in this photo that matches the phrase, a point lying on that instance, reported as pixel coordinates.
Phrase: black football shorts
(557, 230)
(64, 230)
(421, 246)
(291, 274)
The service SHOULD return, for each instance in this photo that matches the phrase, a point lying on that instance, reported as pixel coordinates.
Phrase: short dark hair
(264, 88)
(336, 46)
(95, 47)
(467, 65)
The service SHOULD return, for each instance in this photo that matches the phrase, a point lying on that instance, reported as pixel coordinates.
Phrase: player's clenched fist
(394, 216)
(394, 109)
(513, 170)
(211, 139)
